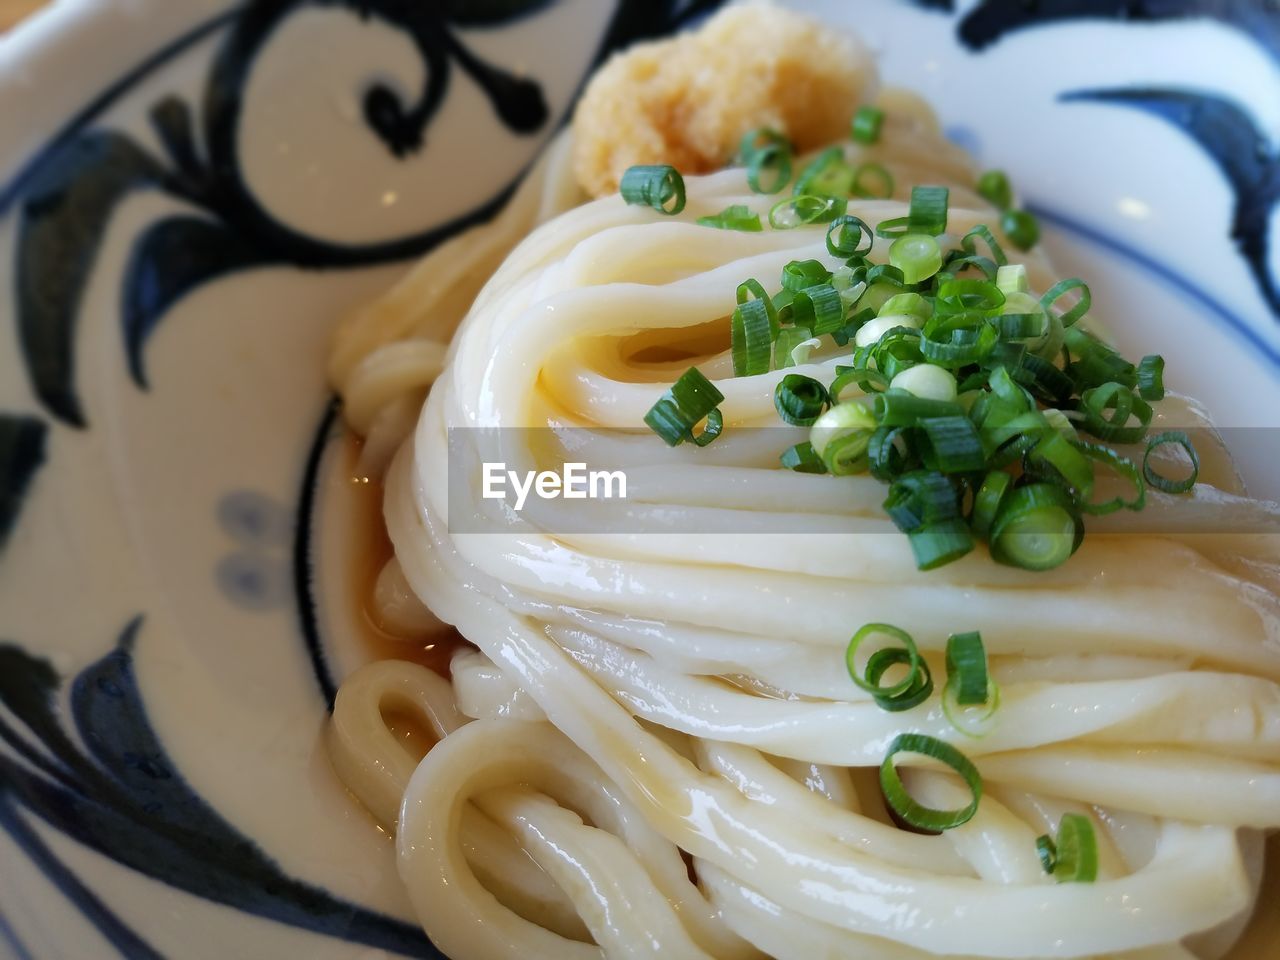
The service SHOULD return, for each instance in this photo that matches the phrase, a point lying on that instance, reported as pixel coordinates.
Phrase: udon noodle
(650, 746)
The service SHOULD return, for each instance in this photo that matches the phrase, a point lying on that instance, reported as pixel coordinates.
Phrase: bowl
(192, 194)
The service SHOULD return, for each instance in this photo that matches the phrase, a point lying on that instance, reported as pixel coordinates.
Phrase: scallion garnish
(872, 181)
(1073, 858)
(800, 400)
(917, 255)
(969, 686)
(845, 237)
(907, 809)
(690, 400)
(1076, 312)
(769, 170)
(986, 399)
(737, 217)
(660, 187)
(1108, 410)
(927, 214)
(802, 459)
(841, 436)
(1163, 483)
(1022, 228)
(805, 209)
(911, 690)
(799, 274)
(1037, 527)
(993, 186)
(866, 124)
(967, 668)
(1151, 377)
(1122, 466)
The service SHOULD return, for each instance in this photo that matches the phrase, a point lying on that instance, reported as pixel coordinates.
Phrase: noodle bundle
(651, 747)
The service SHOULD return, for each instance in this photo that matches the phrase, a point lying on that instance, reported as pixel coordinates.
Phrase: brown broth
(371, 548)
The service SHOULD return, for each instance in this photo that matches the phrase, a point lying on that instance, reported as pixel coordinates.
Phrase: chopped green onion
(967, 667)
(1093, 363)
(1151, 377)
(691, 399)
(1012, 278)
(975, 722)
(901, 802)
(827, 175)
(873, 181)
(987, 501)
(841, 435)
(926, 214)
(819, 308)
(894, 409)
(873, 331)
(937, 544)
(799, 274)
(769, 169)
(969, 684)
(1122, 466)
(1044, 380)
(805, 209)
(969, 242)
(954, 444)
(928, 210)
(784, 347)
(1074, 857)
(1107, 410)
(800, 400)
(845, 236)
(762, 138)
(968, 296)
(1036, 529)
(660, 187)
(955, 340)
(910, 691)
(909, 303)
(1021, 326)
(737, 217)
(754, 288)
(802, 459)
(917, 255)
(866, 124)
(851, 327)
(920, 691)
(1022, 228)
(993, 186)
(1057, 452)
(889, 453)
(920, 499)
(1061, 287)
(926, 380)
(751, 334)
(1163, 483)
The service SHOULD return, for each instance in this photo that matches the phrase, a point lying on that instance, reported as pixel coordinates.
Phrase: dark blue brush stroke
(22, 452)
(61, 221)
(1237, 324)
(303, 584)
(1227, 133)
(117, 933)
(991, 20)
(67, 199)
(122, 796)
(169, 260)
(10, 936)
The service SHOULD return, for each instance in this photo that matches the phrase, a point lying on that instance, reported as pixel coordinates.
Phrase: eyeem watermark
(576, 482)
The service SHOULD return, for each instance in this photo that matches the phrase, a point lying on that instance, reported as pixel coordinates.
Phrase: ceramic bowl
(192, 193)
